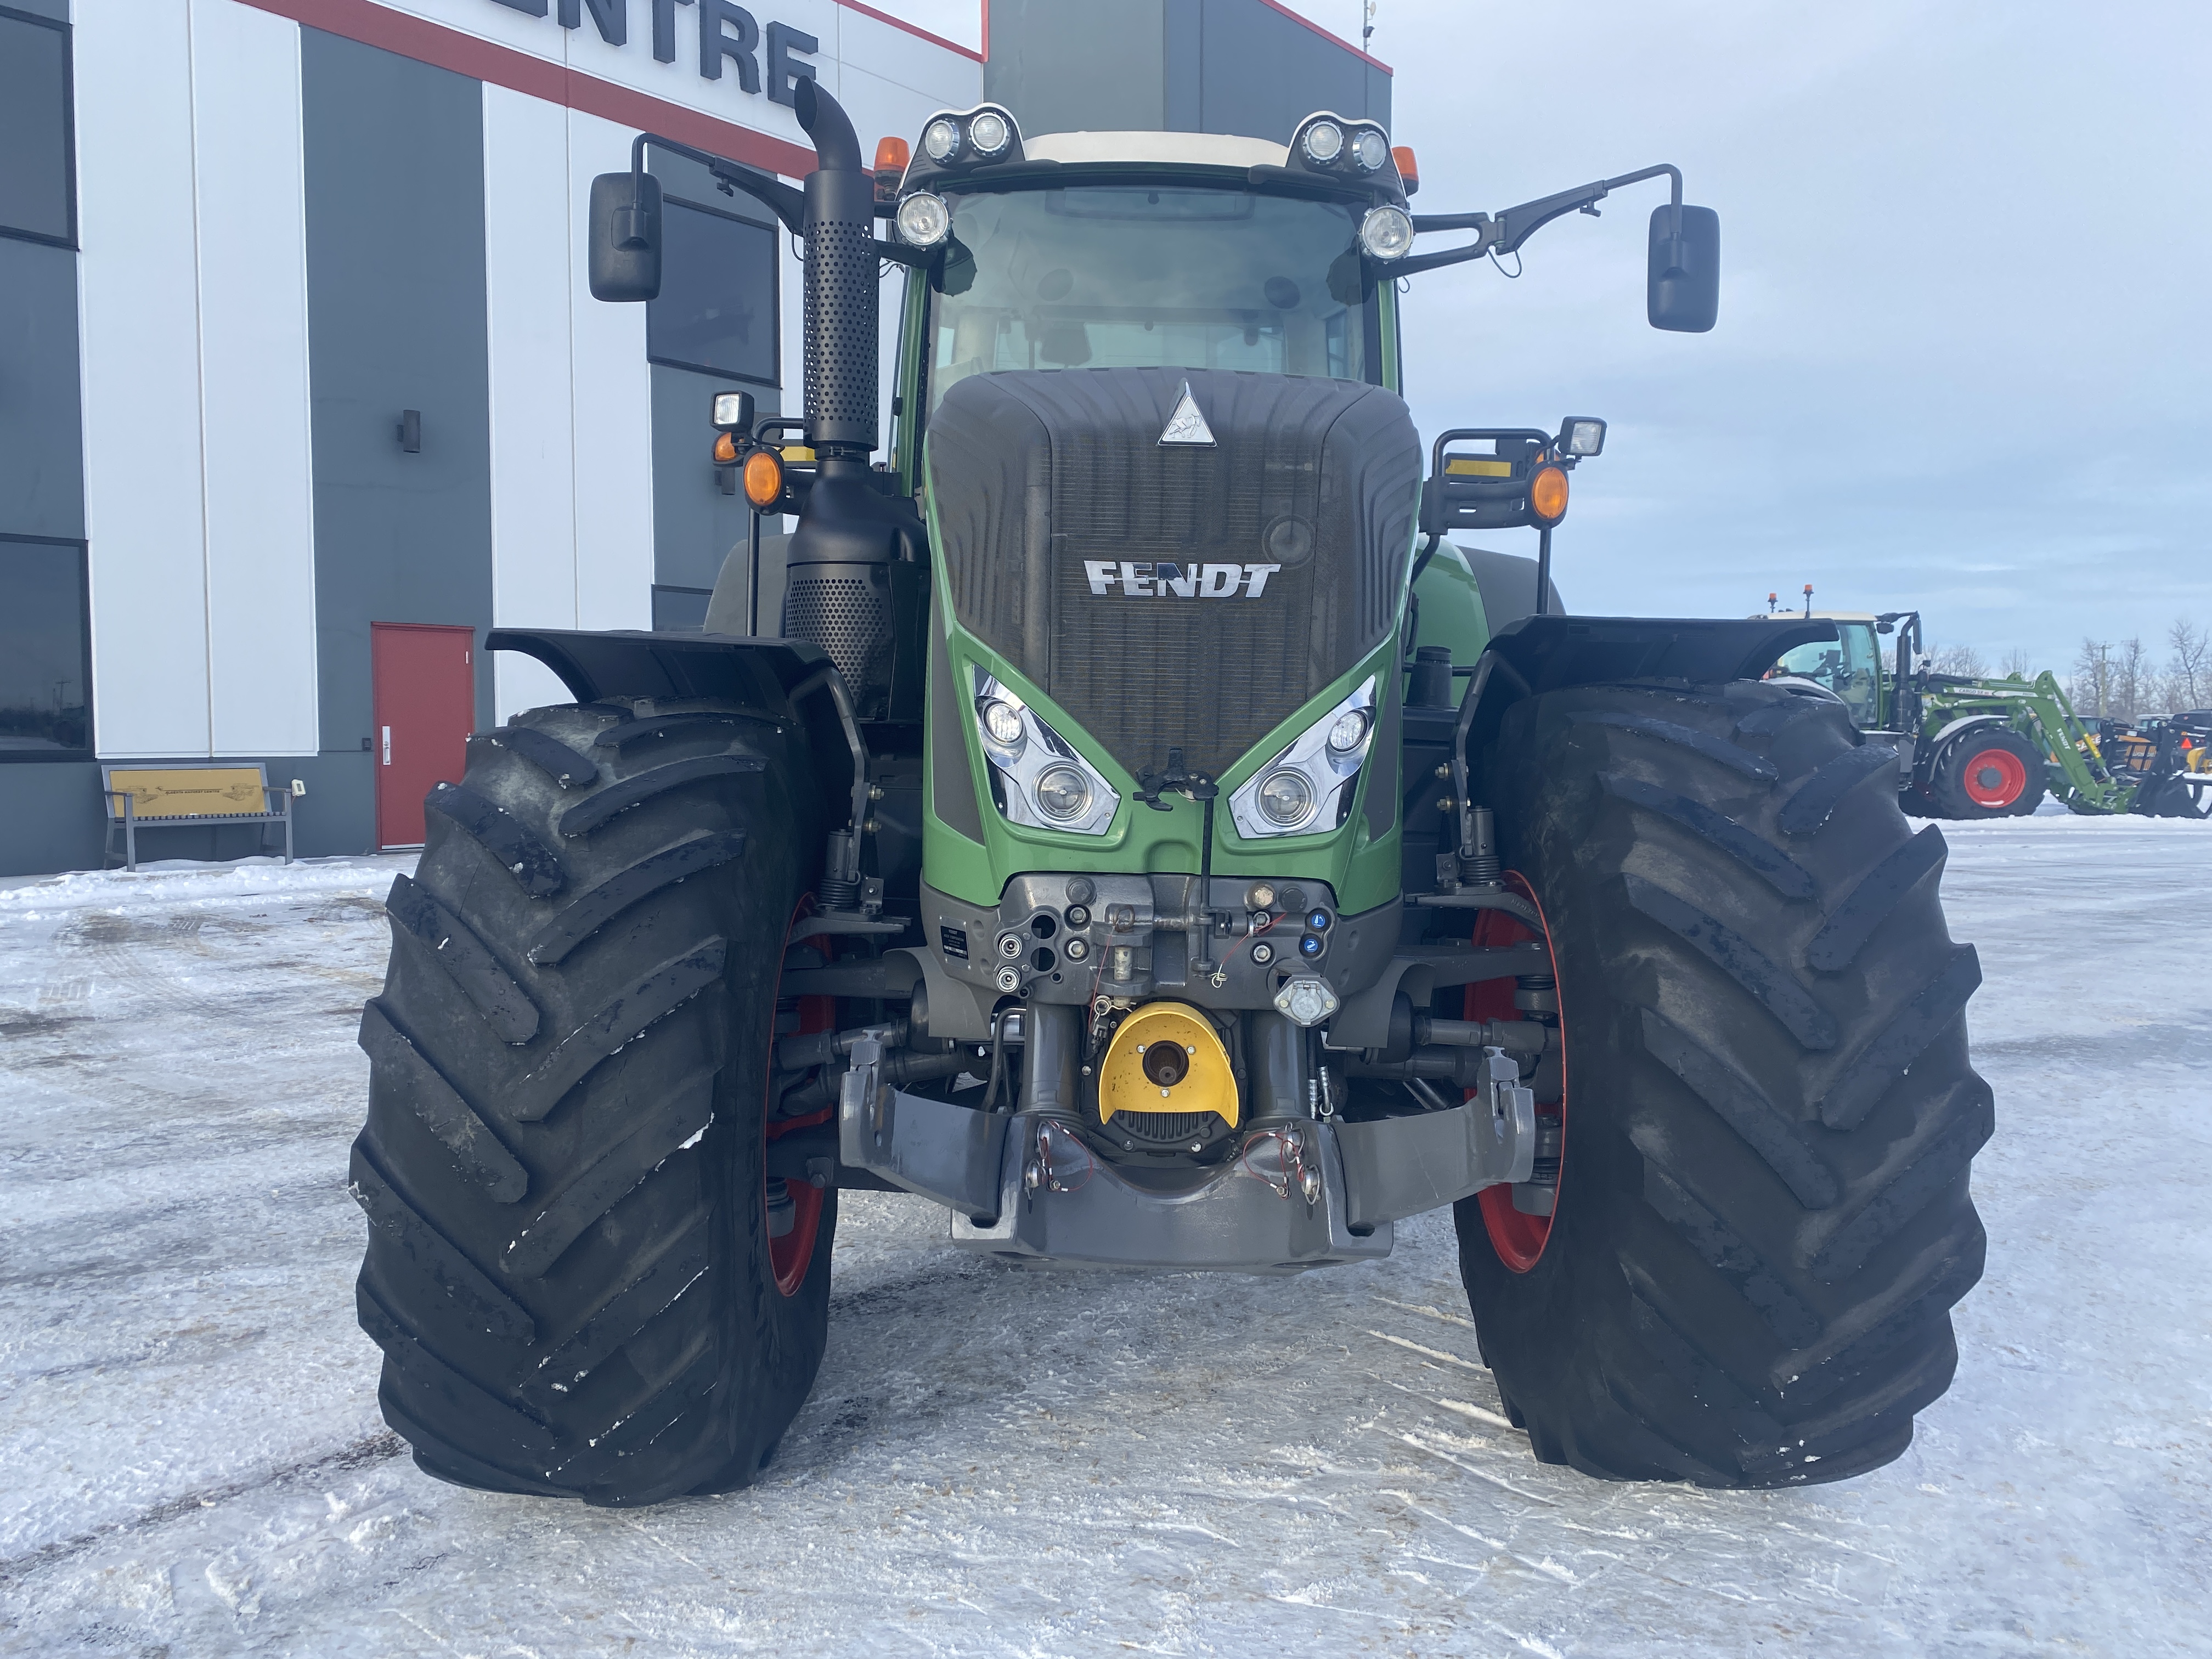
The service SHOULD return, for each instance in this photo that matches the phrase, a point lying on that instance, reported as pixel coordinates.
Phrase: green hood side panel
(1451, 610)
(1361, 868)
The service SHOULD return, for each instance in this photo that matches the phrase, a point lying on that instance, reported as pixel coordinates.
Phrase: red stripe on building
(518, 71)
(934, 40)
(1334, 39)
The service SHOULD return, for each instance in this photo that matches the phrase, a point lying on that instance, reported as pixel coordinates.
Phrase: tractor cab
(1848, 666)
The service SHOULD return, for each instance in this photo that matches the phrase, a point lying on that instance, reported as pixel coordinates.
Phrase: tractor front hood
(1178, 558)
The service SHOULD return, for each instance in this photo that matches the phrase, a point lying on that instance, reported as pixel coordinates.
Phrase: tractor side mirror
(625, 237)
(1682, 292)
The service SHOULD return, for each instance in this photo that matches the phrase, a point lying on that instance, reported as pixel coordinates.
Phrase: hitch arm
(1505, 231)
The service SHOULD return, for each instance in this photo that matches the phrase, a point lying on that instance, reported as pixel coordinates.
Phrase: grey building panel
(41, 445)
(1184, 57)
(57, 10)
(396, 321)
(52, 817)
(1227, 66)
(1263, 72)
(1091, 67)
(1378, 94)
(693, 523)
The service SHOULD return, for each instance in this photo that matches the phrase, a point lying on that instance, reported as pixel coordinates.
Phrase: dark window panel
(36, 197)
(680, 609)
(45, 654)
(717, 310)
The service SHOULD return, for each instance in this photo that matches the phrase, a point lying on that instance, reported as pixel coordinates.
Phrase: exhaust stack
(840, 307)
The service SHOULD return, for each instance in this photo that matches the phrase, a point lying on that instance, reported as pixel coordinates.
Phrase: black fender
(1532, 655)
(779, 679)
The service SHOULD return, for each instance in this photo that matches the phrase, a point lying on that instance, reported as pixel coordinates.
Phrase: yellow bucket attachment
(1166, 1058)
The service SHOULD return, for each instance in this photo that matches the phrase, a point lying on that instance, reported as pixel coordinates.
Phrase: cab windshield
(1848, 666)
(1117, 276)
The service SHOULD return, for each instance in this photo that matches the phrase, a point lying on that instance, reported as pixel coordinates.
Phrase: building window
(38, 191)
(717, 310)
(46, 651)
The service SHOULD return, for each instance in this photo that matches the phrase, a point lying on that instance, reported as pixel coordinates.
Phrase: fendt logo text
(1178, 581)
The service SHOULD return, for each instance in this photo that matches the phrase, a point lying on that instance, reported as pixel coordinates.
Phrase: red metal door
(425, 695)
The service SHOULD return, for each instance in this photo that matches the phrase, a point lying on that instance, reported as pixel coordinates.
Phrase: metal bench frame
(122, 810)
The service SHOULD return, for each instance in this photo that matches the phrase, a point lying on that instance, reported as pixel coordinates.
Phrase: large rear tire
(569, 1267)
(1762, 1219)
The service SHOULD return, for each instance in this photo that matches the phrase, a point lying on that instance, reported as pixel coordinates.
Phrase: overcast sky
(1962, 360)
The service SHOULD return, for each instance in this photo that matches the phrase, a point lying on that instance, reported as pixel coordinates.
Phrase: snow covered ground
(1002, 1462)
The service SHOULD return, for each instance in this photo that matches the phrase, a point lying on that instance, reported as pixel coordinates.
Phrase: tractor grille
(1165, 1130)
(1033, 474)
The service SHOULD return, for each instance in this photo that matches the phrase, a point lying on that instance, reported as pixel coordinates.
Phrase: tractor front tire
(569, 1265)
(1762, 1219)
(1987, 775)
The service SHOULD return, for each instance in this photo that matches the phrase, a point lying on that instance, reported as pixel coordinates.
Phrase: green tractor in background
(1149, 839)
(1972, 748)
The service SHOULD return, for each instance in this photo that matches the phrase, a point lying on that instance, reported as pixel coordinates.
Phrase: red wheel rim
(1995, 777)
(1519, 1239)
(791, 1255)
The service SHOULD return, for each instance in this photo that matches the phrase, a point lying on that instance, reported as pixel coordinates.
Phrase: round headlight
(1371, 148)
(1386, 232)
(1324, 141)
(1286, 799)
(923, 220)
(940, 139)
(1003, 723)
(1063, 794)
(1349, 732)
(988, 132)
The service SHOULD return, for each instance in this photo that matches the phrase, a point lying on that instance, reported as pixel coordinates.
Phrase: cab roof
(1207, 149)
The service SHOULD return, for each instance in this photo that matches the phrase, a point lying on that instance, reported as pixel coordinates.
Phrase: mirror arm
(1450, 256)
(789, 205)
(1503, 233)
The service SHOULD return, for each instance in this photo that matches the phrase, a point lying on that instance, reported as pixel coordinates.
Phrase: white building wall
(526, 264)
(138, 320)
(259, 477)
(193, 318)
(193, 324)
(611, 412)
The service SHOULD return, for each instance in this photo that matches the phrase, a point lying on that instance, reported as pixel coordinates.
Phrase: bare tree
(1962, 659)
(2018, 661)
(2188, 666)
(2093, 678)
(2133, 691)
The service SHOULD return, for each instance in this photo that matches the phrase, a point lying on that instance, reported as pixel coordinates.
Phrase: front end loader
(1144, 838)
(1970, 747)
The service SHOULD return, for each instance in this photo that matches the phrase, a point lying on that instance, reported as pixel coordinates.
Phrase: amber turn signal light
(1409, 170)
(726, 450)
(763, 479)
(1547, 494)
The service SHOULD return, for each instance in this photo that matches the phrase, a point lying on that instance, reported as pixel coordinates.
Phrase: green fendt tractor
(1973, 748)
(1105, 852)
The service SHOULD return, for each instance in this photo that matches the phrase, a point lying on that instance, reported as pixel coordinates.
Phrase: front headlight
(924, 221)
(1037, 778)
(1307, 788)
(1386, 232)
